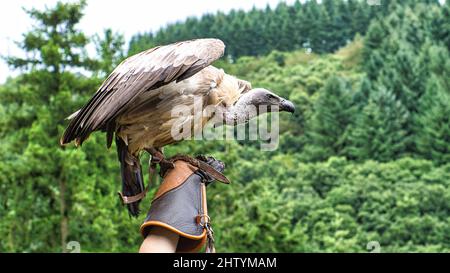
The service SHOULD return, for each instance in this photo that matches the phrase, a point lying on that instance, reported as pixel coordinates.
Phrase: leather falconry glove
(180, 206)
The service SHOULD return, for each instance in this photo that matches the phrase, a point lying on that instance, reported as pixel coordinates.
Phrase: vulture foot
(159, 158)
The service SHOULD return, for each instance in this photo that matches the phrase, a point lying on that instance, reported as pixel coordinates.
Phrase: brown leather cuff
(180, 206)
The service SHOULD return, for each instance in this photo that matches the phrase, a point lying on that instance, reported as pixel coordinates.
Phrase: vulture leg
(159, 158)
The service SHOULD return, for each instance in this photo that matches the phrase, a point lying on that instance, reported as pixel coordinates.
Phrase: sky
(126, 17)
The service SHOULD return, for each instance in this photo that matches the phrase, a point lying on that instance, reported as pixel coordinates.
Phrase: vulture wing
(140, 73)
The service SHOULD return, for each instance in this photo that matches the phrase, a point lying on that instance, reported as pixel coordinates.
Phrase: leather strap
(132, 199)
(139, 196)
(210, 248)
(206, 223)
(202, 166)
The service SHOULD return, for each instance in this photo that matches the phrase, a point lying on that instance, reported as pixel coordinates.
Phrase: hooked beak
(287, 106)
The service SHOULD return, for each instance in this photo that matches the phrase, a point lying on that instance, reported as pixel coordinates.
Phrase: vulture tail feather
(132, 179)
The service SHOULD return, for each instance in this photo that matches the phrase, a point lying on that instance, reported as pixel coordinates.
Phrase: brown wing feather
(139, 73)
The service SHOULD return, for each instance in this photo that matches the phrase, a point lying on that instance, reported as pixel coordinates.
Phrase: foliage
(433, 124)
(379, 129)
(44, 192)
(332, 113)
(334, 206)
(307, 24)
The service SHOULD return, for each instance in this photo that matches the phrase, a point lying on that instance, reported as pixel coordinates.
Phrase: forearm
(178, 220)
(159, 240)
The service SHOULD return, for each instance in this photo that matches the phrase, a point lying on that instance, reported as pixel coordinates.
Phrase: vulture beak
(287, 106)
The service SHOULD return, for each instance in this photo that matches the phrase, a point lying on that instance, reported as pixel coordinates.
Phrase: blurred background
(362, 166)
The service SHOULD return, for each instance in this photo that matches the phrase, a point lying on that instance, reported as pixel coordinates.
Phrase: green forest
(365, 158)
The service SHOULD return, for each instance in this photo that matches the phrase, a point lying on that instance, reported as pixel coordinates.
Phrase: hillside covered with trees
(365, 158)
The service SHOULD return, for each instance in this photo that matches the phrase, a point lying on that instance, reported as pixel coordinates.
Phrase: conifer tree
(56, 184)
(378, 132)
(332, 114)
(109, 48)
(56, 44)
(433, 123)
(323, 26)
(361, 96)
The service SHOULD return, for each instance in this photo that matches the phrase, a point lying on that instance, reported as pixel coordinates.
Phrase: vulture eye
(270, 96)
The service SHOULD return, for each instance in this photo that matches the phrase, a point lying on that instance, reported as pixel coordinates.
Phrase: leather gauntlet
(180, 205)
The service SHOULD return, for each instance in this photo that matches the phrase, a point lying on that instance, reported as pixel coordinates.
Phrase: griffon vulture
(136, 100)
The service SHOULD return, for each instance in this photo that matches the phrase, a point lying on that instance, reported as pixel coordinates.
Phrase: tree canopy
(321, 28)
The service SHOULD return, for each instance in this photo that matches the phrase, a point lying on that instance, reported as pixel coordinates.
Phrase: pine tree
(433, 123)
(108, 48)
(323, 26)
(434, 60)
(360, 17)
(443, 32)
(318, 33)
(361, 97)
(285, 27)
(373, 40)
(329, 123)
(337, 24)
(56, 185)
(378, 132)
(403, 76)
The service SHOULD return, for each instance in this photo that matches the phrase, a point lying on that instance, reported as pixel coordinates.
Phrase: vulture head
(261, 97)
(255, 102)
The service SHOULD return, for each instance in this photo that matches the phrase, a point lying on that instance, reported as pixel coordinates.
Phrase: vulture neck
(242, 111)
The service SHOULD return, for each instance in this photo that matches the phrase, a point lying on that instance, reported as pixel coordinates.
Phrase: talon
(156, 159)
(166, 165)
(157, 156)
